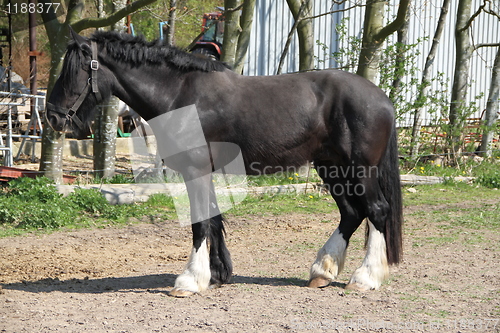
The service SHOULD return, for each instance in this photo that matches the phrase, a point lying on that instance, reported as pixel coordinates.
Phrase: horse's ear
(79, 40)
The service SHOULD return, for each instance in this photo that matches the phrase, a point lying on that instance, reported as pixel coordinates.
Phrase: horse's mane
(137, 51)
(72, 64)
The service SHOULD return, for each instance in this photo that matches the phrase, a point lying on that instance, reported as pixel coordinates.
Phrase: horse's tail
(390, 184)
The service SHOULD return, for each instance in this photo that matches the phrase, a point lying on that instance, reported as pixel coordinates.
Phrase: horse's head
(78, 90)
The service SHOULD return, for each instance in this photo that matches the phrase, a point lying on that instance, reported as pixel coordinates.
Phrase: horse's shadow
(156, 283)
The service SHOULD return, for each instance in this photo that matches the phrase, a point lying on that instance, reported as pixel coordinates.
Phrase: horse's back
(361, 117)
(287, 120)
(317, 94)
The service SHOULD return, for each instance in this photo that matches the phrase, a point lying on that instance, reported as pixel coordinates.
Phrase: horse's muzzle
(56, 117)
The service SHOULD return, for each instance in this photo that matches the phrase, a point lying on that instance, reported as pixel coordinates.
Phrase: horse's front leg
(209, 262)
(196, 275)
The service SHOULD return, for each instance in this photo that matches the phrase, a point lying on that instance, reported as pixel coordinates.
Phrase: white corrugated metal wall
(273, 21)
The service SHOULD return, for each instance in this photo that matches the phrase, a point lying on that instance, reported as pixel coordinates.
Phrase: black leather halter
(70, 114)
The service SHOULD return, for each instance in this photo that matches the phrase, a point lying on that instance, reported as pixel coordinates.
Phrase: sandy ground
(116, 279)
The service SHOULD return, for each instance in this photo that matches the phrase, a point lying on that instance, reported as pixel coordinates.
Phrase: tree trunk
(105, 130)
(52, 153)
(305, 32)
(121, 24)
(100, 8)
(105, 127)
(169, 38)
(492, 108)
(400, 61)
(231, 31)
(374, 34)
(53, 142)
(246, 21)
(425, 84)
(461, 79)
(369, 58)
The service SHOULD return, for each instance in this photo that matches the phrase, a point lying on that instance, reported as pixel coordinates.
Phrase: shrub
(38, 189)
(490, 179)
(88, 200)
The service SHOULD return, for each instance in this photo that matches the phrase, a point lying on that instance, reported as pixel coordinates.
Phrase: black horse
(341, 122)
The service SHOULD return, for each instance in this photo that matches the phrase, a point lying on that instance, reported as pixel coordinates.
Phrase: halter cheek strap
(94, 66)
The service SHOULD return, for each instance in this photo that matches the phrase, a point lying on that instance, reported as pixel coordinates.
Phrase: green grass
(442, 165)
(283, 178)
(28, 205)
(449, 193)
(33, 205)
(283, 204)
(455, 206)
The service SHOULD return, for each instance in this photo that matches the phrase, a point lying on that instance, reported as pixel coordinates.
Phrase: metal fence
(273, 21)
(9, 102)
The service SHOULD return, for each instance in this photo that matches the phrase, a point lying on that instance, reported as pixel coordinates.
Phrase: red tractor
(210, 44)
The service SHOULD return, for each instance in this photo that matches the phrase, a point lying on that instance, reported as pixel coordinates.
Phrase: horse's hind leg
(357, 198)
(330, 258)
(374, 269)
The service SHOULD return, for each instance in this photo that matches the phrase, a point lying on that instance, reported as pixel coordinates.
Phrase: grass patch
(466, 165)
(28, 205)
(32, 204)
(283, 178)
(456, 206)
(450, 193)
(485, 216)
(283, 204)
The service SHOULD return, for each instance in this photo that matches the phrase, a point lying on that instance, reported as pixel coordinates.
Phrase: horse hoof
(318, 282)
(214, 286)
(357, 286)
(180, 293)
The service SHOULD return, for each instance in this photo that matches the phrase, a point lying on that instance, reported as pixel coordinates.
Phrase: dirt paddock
(116, 280)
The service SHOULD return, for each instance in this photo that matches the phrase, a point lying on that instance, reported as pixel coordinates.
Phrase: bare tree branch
(426, 81)
(481, 9)
(333, 12)
(491, 11)
(230, 10)
(111, 19)
(289, 39)
(473, 17)
(339, 2)
(299, 19)
(477, 46)
(398, 21)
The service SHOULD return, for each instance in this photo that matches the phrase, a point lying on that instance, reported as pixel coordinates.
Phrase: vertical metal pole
(129, 21)
(9, 42)
(33, 73)
(34, 121)
(9, 161)
(33, 54)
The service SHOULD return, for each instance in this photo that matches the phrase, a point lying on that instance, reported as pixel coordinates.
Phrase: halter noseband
(90, 86)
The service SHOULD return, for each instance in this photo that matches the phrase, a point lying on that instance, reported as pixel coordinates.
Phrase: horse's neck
(138, 88)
